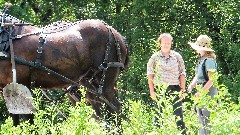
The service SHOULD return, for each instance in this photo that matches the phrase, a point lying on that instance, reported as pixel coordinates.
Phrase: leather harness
(6, 33)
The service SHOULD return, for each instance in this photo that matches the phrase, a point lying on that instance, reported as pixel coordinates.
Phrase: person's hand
(190, 89)
(153, 95)
(182, 94)
(197, 94)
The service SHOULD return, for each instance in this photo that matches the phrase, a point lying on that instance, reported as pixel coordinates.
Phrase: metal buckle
(39, 50)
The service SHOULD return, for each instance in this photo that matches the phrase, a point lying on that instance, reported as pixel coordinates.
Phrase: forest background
(141, 22)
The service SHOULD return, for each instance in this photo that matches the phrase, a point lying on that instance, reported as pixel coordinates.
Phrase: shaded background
(141, 22)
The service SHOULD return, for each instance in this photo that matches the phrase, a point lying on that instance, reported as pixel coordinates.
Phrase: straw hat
(202, 43)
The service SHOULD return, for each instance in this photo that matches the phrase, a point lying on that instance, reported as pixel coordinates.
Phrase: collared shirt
(210, 65)
(166, 69)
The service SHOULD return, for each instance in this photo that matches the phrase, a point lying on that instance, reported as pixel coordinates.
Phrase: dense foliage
(141, 22)
(225, 118)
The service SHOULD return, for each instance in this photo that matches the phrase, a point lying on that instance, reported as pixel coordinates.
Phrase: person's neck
(202, 54)
(166, 52)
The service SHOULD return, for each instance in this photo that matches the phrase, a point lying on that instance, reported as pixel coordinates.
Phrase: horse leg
(111, 93)
(90, 98)
(71, 99)
(95, 102)
(29, 117)
(74, 94)
(15, 118)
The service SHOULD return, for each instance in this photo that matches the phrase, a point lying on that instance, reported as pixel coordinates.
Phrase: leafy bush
(225, 118)
(141, 22)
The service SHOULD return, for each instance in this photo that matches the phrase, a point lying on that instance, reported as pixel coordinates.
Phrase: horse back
(70, 52)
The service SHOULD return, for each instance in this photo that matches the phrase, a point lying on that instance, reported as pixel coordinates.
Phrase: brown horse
(88, 53)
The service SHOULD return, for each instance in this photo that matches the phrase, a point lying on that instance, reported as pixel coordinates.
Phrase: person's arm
(207, 86)
(192, 84)
(151, 86)
(182, 71)
(182, 85)
(211, 68)
(182, 82)
(150, 74)
(209, 83)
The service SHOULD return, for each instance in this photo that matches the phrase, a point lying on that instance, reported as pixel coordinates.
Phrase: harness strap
(205, 75)
(118, 48)
(111, 64)
(32, 64)
(94, 74)
(105, 65)
(40, 50)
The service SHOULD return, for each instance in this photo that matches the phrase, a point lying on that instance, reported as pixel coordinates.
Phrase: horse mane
(12, 19)
(58, 26)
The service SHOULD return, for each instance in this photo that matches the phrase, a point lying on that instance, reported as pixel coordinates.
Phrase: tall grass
(225, 118)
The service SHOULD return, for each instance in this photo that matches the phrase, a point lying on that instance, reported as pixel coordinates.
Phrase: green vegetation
(141, 22)
(225, 118)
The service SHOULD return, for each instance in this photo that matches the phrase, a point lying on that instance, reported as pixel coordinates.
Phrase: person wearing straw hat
(167, 67)
(206, 66)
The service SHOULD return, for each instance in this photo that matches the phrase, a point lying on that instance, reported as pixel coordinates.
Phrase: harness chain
(43, 68)
(32, 64)
(53, 103)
